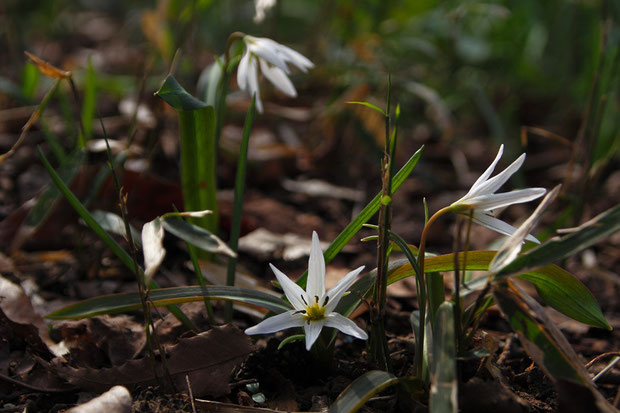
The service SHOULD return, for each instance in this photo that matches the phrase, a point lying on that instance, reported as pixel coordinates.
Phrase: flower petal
(494, 201)
(278, 78)
(485, 175)
(316, 270)
(498, 225)
(296, 58)
(345, 325)
(242, 70)
(512, 246)
(276, 323)
(253, 83)
(336, 292)
(267, 49)
(293, 292)
(500, 179)
(312, 330)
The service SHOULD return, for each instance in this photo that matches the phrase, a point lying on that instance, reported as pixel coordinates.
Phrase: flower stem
(378, 341)
(423, 293)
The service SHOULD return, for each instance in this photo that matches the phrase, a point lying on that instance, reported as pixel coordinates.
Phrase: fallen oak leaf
(207, 359)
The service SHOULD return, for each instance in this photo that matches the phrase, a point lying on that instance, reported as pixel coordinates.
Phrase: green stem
(235, 228)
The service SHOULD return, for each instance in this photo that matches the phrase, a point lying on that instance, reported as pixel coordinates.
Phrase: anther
(316, 298)
(303, 299)
(300, 312)
(326, 300)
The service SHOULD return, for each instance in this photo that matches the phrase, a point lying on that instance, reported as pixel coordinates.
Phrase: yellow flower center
(315, 312)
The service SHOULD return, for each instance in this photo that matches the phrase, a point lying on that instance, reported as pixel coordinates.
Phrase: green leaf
(562, 291)
(177, 97)
(235, 227)
(290, 339)
(361, 390)
(116, 303)
(541, 339)
(373, 206)
(45, 203)
(90, 100)
(556, 287)
(195, 235)
(369, 105)
(557, 249)
(105, 237)
(30, 80)
(86, 216)
(198, 151)
(444, 383)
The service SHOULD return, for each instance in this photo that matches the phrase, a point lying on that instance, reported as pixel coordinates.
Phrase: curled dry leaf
(152, 246)
(207, 359)
(47, 69)
(115, 400)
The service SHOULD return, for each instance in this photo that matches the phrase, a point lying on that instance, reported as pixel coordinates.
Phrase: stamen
(303, 299)
(316, 298)
(326, 300)
(300, 312)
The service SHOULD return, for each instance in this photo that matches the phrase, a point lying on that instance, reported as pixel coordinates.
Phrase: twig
(191, 393)
(35, 388)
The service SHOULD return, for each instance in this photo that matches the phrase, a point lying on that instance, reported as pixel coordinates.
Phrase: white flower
(261, 7)
(313, 309)
(273, 59)
(482, 198)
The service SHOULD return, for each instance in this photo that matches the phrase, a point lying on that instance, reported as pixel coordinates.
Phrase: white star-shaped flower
(482, 199)
(273, 59)
(313, 309)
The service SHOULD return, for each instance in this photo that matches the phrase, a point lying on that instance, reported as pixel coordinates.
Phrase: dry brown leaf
(115, 400)
(207, 359)
(47, 69)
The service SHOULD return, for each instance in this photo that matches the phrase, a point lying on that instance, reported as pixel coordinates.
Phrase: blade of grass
(373, 206)
(361, 390)
(89, 101)
(116, 303)
(120, 253)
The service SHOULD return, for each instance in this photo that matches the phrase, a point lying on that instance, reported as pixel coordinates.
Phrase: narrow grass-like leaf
(101, 233)
(369, 105)
(557, 249)
(540, 337)
(556, 287)
(50, 196)
(89, 101)
(361, 390)
(290, 339)
(373, 206)
(235, 227)
(116, 303)
(444, 383)
(196, 236)
(29, 81)
(85, 215)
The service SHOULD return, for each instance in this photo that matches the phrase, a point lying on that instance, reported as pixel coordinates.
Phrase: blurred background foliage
(459, 68)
